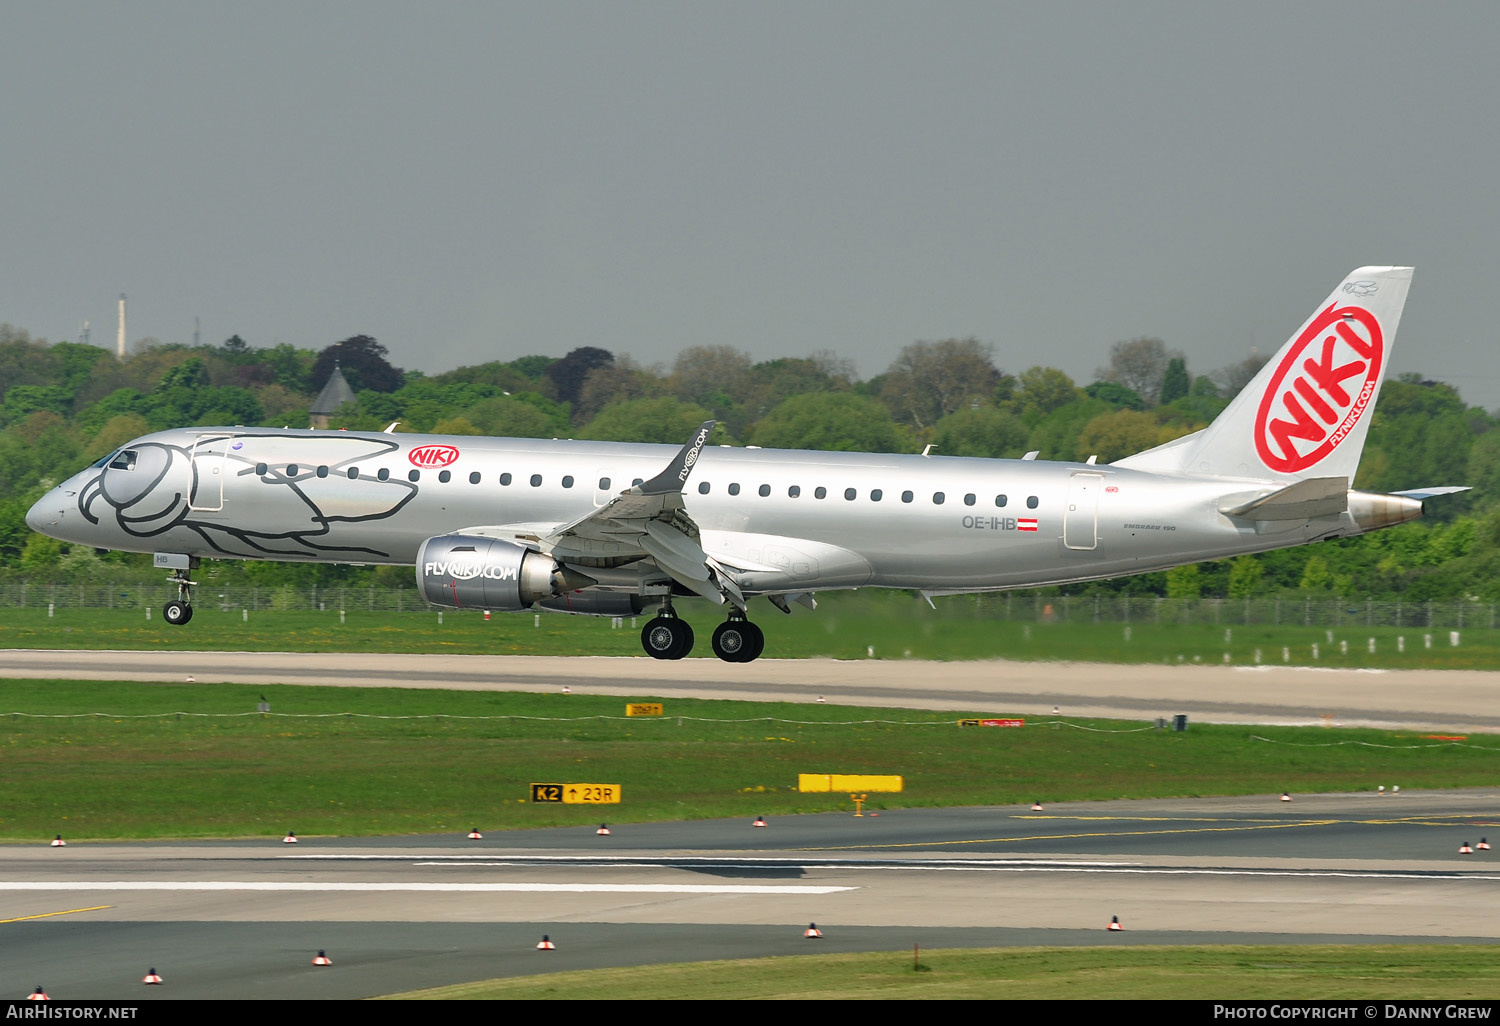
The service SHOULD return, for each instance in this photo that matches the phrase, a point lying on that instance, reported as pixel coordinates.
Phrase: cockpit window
(124, 460)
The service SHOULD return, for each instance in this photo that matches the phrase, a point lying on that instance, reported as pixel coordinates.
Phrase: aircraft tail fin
(1306, 414)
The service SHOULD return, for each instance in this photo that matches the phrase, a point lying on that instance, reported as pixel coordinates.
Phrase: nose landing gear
(179, 612)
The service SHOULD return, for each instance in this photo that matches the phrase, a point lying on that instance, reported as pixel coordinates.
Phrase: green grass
(420, 761)
(1407, 972)
(845, 626)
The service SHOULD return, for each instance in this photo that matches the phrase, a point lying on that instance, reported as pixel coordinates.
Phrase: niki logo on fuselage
(1313, 401)
(433, 457)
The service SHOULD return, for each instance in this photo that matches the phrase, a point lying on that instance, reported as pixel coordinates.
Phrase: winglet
(675, 476)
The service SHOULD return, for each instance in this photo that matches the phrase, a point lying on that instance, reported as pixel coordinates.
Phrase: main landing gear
(180, 611)
(667, 637)
(736, 640)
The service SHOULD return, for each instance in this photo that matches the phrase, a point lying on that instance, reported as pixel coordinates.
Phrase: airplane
(606, 528)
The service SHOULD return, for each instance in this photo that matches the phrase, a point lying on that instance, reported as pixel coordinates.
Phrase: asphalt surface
(244, 920)
(1449, 700)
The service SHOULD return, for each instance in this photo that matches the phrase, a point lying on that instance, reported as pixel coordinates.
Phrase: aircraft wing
(650, 520)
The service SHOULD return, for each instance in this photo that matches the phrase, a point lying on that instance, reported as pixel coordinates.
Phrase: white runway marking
(471, 888)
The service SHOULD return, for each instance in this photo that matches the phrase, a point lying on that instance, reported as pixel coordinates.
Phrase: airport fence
(155, 591)
(1021, 607)
(1273, 611)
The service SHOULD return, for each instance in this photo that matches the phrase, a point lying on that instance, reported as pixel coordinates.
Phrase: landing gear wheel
(177, 613)
(732, 641)
(666, 637)
(759, 638)
(738, 641)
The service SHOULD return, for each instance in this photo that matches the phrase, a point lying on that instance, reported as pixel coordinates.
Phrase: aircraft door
(210, 467)
(1081, 517)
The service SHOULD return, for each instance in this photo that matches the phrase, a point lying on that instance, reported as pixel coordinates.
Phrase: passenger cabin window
(969, 499)
(445, 476)
(603, 484)
(568, 481)
(765, 490)
(291, 470)
(937, 498)
(474, 477)
(536, 480)
(415, 475)
(353, 473)
(876, 494)
(383, 474)
(734, 489)
(505, 479)
(322, 471)
(850, 493)
(820, 492)
(125, 460)
(794, 491)
(907, 496)
(260, 468)
(637, 481)
(1001, 500)
(702, 487)
(1031, 502)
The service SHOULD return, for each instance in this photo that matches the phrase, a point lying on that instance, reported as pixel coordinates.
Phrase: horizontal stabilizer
(1315, 497)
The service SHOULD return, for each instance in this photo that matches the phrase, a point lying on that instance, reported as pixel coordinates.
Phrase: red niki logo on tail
(1319, 391)
(430, 457)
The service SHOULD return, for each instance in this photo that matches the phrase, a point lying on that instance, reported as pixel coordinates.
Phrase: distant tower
(335, 394)
(197, 338)
(83, 336)
(120, 338)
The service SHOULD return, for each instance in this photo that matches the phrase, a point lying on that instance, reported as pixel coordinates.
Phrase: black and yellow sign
(577, 794)
(643, 709)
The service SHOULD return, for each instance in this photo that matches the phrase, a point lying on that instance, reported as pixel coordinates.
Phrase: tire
(177, 613)
(758, 643)
(659, 637)
(731, 640)
(685, 645)
(666, 637)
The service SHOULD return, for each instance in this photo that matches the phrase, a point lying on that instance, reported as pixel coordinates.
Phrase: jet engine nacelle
(469, 572)
(595, 603)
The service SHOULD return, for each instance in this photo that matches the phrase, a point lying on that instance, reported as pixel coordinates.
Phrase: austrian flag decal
(1026, 524)
(431, 457)
(1320, 390)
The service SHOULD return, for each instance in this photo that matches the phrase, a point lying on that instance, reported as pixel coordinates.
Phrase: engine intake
(469, 572)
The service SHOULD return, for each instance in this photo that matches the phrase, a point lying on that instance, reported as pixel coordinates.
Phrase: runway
(244, 920)
(1448, 700)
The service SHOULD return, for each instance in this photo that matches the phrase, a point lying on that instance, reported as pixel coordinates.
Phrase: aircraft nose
(46, 513)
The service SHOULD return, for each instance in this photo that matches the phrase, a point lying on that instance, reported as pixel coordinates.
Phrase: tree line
(63, 405)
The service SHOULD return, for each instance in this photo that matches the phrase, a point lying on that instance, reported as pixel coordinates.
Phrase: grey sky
(469, 182)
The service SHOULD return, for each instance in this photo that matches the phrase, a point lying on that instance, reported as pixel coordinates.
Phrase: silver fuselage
(790, 521)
